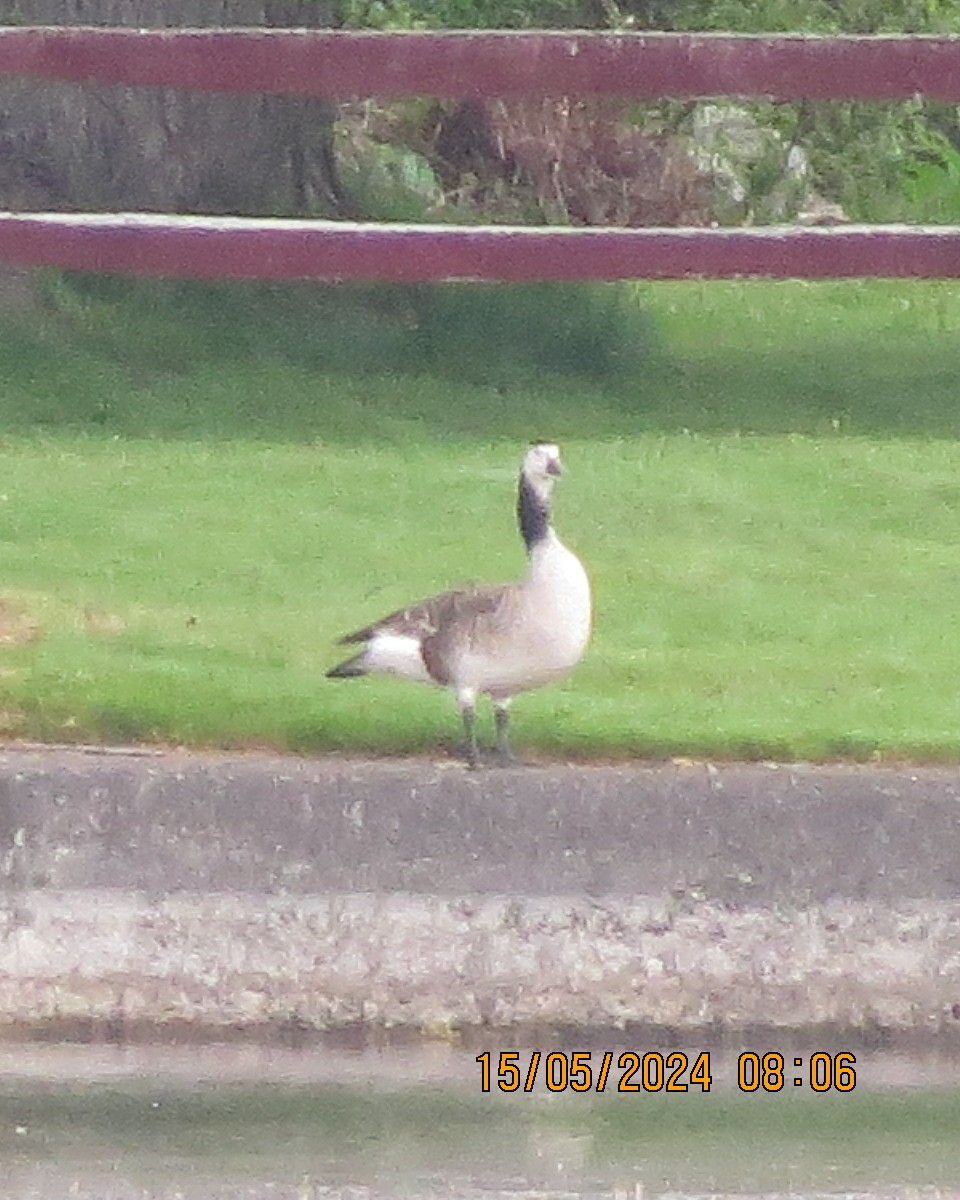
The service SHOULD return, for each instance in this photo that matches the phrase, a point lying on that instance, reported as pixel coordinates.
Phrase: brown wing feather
(423, 619)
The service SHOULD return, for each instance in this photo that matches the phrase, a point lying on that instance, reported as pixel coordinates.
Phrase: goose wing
(428, 617)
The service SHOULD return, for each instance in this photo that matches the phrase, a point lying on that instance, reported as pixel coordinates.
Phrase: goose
(493, 640)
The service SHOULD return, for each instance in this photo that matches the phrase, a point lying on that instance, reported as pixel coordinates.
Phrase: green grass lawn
(769, 508)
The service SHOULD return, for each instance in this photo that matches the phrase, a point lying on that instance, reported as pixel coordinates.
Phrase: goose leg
(501, 716)
(467, 702)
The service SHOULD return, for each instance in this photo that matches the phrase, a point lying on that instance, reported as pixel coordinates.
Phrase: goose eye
(553, 466)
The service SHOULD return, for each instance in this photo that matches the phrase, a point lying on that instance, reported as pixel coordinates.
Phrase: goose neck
(533, 513)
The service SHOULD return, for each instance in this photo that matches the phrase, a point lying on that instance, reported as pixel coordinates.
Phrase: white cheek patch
(394, 654)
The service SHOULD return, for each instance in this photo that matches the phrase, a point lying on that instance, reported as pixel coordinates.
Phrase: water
(224, 1123)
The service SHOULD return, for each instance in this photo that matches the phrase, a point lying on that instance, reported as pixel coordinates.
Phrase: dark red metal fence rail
(486, 64)
(237, 248)
(645, 65)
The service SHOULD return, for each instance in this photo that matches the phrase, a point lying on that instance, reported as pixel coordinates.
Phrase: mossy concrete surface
(142, 893)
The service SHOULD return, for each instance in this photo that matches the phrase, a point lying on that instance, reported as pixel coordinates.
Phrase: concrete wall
(142, 894)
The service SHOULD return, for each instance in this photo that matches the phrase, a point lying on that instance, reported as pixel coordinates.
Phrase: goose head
(541, 467)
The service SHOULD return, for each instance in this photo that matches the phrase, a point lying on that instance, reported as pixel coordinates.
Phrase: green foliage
(458, 14)
(737, 16)
(800, 16)
(881, 162)
(871, 158)
(858, 151)
(931, 180)
(390, 182)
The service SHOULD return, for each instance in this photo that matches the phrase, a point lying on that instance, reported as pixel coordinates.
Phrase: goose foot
(487, 757)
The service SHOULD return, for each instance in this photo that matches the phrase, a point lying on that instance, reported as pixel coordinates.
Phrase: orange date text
(584, 1071)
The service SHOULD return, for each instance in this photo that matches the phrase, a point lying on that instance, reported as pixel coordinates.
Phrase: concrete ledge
(225, 891)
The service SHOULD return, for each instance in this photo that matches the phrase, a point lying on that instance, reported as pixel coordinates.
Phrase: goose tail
(351, 668)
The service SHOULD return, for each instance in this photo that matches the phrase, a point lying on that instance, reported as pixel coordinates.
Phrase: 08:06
(765, 1072)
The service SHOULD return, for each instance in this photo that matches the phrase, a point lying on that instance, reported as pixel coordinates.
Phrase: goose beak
(553, 467)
